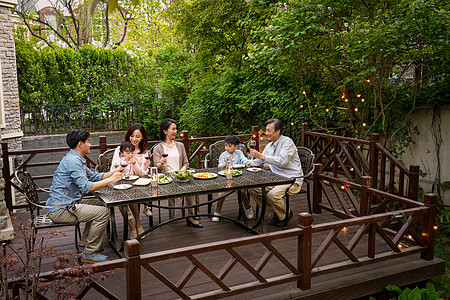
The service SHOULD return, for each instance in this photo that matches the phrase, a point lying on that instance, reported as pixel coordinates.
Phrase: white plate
(254, 169)
(236, 173)
(122, 186)
(238, 166)
(197, 175)
(131, 177)
(142, 181)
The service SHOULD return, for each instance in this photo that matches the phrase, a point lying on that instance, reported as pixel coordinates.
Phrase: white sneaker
(248, 213)
(130, 216)
(216, 217)
(148, 212)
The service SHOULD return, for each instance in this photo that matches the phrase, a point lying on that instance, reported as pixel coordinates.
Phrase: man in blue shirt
(282, 157)
(72, 180)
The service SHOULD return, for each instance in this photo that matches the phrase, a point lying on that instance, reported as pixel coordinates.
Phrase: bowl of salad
(182, 175)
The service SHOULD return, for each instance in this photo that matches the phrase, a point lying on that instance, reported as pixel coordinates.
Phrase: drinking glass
(252, 145)
(124, 163)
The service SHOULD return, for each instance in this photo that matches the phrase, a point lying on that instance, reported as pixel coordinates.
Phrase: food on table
(162, 178)
(205, 175)
(235, 172)
(182, 175)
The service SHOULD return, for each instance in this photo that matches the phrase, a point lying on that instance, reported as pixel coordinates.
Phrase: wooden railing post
(185, 140)
(303, 140)
(7, 176)
(255, 134)
(133, 276)
(304, 251)
(317, 190)
(335, 161)
(413, 185)
(102, 143)
(428, 227)
(373, 158)
(366, 198)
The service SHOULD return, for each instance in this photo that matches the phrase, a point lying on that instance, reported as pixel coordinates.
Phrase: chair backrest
(30, 190)
(218, 148)
(307, 160)
(104, 161)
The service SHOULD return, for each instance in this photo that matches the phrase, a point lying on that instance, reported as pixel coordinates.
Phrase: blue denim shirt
(237, 157)
(71, 180)
(282, 158)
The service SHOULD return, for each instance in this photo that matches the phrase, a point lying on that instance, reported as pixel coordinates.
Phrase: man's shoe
(274, 220)
(81, 249)
(248, 213)
(133, 234)
(93, 258)
(286, 220)
(216, 217)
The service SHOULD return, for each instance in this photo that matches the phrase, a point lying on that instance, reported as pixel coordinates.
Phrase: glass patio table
(148, 195)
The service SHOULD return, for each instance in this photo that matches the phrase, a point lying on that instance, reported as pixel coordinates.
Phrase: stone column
(9, 102)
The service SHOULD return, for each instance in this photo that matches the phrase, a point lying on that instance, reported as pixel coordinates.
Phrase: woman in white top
(175, 160)
(139, 165)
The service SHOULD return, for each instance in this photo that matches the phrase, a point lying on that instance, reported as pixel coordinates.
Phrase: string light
(343, 96)
(362, 100)
(435, 227)
(358, 146)
(315, 105)
(356, 109)
(359, 95)
(368, 80)
(301, 105)
(204, 147)
(346, 100)
(409, 236)
(304, 92)
(363, 124)
(342, 187)
(192, 136)
(351, 169)
(327, 110)
(292, 123)
(254, 136)
(344, 229)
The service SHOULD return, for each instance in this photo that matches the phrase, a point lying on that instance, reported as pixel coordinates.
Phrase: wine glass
(124, 163)
(252, 145)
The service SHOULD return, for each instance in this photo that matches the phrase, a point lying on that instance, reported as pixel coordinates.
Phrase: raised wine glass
(124, 163)
(252, 145)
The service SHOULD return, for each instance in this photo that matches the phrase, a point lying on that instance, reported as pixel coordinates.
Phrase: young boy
(237, 157)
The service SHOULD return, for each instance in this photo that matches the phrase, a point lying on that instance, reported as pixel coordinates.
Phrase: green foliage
(427, 293)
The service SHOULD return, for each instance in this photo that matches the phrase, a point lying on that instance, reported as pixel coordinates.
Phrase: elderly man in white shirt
(282, 157)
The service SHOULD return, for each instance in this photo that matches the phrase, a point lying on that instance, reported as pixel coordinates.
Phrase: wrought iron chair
(41, 221)
(104, 161)
(212, 157)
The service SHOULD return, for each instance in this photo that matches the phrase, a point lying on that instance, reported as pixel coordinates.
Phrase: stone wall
(10, 127)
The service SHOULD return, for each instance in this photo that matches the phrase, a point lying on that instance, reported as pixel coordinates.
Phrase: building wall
(423, 152)
(10, 128)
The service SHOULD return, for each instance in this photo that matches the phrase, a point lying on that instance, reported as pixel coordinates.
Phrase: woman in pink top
(138, 137)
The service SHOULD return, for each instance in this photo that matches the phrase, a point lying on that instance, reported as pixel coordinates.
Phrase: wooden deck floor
(348, 284)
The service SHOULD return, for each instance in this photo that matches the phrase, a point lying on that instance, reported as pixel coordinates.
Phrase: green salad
(182, 175)
(235, 172)
(164, 178)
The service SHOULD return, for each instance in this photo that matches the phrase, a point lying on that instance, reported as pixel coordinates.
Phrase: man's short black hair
(76, 136)
(126, 145)
(277, 125)
(232, 140)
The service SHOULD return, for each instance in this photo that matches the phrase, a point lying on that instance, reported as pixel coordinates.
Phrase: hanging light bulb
(301, 105)
(304, 92)
(362, 100)
(356, 109)
(363, 124)
(359, 95)
(346, 100)
(327, 110)
(315, 105)
(292, 123)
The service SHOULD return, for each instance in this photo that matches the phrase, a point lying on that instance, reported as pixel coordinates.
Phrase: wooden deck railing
(347, 199)
(355, 159)
(415, 234)
(200, 143)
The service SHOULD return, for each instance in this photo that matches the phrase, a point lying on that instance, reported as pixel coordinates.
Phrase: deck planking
(342, 285)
